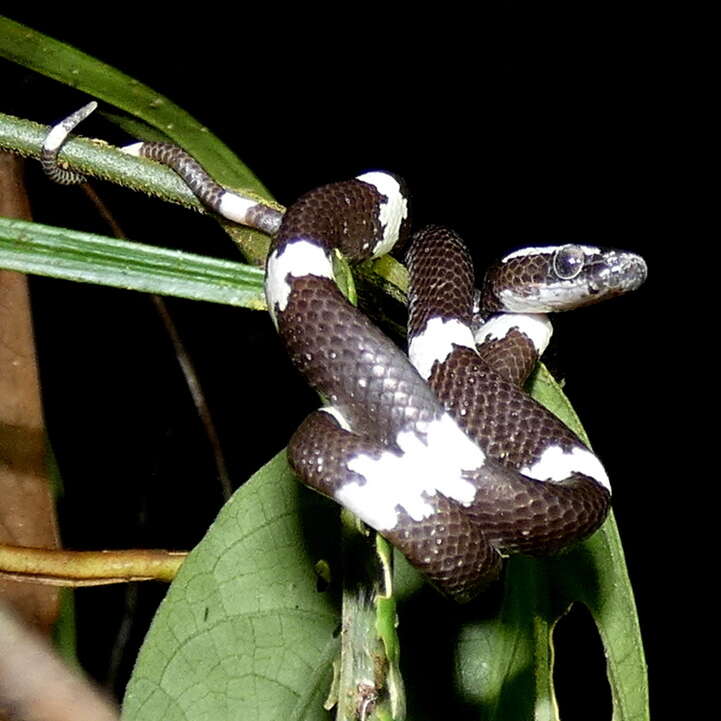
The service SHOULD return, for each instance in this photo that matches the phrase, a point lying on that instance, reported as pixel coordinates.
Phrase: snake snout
(631, 272)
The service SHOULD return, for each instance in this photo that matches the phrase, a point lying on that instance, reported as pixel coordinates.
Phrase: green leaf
(68, 65)
(243, 633)
(504, 664)
(594, 573)
(72, 255)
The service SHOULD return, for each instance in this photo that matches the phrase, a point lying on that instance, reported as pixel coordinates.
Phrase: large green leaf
(243, 633)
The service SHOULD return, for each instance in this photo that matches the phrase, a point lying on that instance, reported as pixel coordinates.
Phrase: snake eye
(568, 261)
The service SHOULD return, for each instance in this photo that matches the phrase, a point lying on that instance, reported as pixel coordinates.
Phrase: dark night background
(507, 135)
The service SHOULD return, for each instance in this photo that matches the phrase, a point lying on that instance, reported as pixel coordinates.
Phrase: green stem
(95, 158)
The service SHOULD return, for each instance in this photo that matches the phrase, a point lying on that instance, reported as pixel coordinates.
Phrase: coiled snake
(440, 451)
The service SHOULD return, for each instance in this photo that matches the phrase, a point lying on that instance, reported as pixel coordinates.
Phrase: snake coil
(440, 451)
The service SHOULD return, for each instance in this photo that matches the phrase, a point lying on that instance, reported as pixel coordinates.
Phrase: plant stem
(88, 568)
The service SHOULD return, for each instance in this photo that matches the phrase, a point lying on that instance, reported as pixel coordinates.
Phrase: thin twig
(88, 568)
(196, 392)
(182, 356)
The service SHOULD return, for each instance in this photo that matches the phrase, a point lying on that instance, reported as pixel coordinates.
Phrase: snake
(440, 449)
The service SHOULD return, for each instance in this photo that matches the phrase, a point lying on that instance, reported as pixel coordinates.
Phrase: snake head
(556, 278)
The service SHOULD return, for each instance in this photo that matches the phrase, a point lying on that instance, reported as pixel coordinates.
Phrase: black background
(512, 129)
